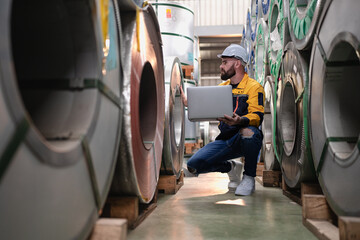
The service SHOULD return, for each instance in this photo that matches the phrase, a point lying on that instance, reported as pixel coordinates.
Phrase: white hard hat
(235, 51)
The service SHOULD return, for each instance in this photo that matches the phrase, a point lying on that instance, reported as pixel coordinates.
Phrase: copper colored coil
(139, 162)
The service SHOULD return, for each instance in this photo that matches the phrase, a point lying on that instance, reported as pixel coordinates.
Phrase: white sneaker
(246, 187)
(234, 175)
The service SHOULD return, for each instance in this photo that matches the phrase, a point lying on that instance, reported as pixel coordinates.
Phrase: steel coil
(60, 116)
(176, 22)
(174, 130)
(334, 87)
(270, 162)
(303, 19)
(296, 165)
(261, 52)
(278, 35)
(143, 95)
(253, 19)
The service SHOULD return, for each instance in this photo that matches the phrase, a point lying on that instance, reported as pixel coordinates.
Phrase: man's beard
(229, 74)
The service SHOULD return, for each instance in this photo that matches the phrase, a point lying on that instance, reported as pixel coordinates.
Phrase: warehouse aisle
(203, 209)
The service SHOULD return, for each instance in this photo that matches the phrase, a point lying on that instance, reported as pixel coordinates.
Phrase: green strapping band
(300, 96)
(91, 170)
(326, 145)
(177, 35)
(172, 5)
(190, 139)
(301, 26)
(154, 155)
(95, 83)
(14, 143)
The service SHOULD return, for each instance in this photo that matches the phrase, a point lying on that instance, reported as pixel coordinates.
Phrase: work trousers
(214, 156)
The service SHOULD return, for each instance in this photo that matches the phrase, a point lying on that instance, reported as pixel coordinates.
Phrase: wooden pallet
(129, 208)
(269, 178)
(168, 184)
(322, 221)
(187, 71)
(109, 229)
(293, 193)
(259, 169)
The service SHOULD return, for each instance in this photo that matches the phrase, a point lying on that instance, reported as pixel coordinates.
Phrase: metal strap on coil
(177, 35)
(335, 139)
(172, 5)
(91, 170)
(12, 146)
(154, 156)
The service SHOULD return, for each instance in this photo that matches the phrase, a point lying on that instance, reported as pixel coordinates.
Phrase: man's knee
(246, 133)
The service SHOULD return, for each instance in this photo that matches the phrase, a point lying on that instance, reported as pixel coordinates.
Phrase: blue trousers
(213, 156)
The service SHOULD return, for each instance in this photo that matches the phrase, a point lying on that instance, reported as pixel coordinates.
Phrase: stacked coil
(173, 150)
(309, 129)
(60, 118)
(139, 162)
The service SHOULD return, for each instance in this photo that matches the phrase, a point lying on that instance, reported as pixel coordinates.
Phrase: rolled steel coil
(143, 95)
(270, 162)
(190, 127)
(174, 130)
(296, 162)
(334, 87)
(176, 22)
(253, 19)
(261, 53)
(303, 19)
(60, 118)
(265, 5)
(278, 35)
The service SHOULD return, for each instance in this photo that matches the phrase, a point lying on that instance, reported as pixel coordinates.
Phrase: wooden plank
(271, 178)
(315, 206)
(109, 229)
(122, 207)
(259, 169)
(189, 147)
(323, 230)
(310, 188)
(169, 184)
(349, 228)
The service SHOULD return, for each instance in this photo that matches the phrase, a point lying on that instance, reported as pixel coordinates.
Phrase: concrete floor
(204, 209)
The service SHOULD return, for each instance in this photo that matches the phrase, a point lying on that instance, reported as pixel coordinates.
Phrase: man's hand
(183, 97)
(234, 120)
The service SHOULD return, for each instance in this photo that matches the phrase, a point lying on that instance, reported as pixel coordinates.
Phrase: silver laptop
(209, 103)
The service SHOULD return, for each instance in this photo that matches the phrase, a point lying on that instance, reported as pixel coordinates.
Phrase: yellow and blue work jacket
(248, 103)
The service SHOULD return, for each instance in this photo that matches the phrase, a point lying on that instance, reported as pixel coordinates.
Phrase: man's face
(227, 68)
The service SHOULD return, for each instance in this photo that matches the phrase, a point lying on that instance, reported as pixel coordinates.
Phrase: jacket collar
(242, 83)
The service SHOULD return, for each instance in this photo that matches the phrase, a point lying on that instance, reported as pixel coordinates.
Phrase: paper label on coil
(168, 13)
